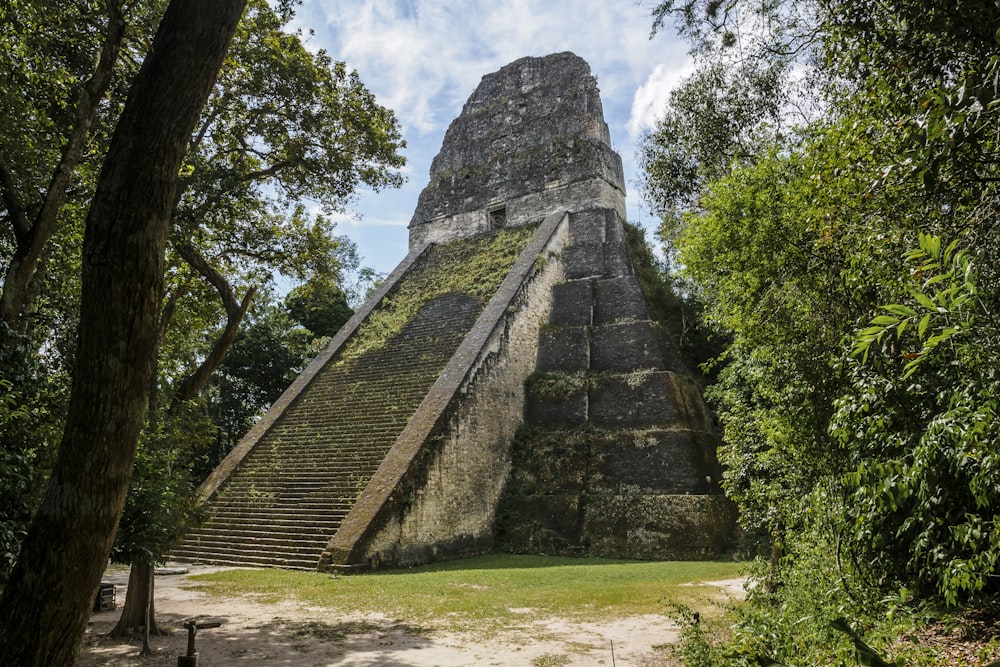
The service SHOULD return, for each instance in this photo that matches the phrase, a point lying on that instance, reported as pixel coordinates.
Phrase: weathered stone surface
(636, 400)
(548, 461)
(691, 406)
(625, 347)
(617, 261)
(588, 226)
(614, 233)
(617, 299)
(566, 408)
(547, 524)
(572, 304)
(320, 447)
(531, 139)
(584, 260)
(667, 527)
(656, 462)
(435, 494)
(565, 349)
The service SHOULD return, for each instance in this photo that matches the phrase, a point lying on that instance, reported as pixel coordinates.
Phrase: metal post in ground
(193, 625)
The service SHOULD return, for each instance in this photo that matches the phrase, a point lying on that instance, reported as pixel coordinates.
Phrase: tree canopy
(283, 137)
(839, 223)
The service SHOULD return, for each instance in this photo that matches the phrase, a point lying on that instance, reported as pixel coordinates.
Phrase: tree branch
(193, 383)
(235, 312)
(197, 262)
(32, 239)
(19, 220)
(265, 173)
(167, 314)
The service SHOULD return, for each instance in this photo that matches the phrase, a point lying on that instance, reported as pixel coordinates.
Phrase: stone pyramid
(504, 388)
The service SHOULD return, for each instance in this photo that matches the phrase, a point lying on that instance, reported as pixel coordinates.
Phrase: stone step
(277, 522)
(261, 487)
(229, 535)
(348, 466)
(291, 493)
(268, 488)
(288, 543)
(327, 448)
(238, 558)
(318, 506)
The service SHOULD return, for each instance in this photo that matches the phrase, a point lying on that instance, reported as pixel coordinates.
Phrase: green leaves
(872, 227)
(867, 656)
(943, 290)
(937, 493)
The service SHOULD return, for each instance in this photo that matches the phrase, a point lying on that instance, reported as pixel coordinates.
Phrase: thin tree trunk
(139, 610)
(148, 616)
(47, 601)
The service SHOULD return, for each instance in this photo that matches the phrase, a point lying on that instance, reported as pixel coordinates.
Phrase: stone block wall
(447, 223)
(530, 141)
(617, 457)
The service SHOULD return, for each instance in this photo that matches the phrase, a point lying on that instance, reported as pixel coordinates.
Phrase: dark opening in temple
(498, 217)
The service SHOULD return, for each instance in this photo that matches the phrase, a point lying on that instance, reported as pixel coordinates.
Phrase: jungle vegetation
(827, 188)
(162, 164)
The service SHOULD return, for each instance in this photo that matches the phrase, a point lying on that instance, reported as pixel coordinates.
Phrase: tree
(126, 230)
(161, 503)
(58, 63)
(320, 306)
(721, 116)
(56, 118)
(804, 251)
(32, 230)
(282, 124)
(934, 434)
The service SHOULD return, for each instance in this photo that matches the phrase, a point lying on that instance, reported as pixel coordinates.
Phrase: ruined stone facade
(530, 141)
(536, 410)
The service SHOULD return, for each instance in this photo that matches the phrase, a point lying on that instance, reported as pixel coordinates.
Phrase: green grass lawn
(490, 591)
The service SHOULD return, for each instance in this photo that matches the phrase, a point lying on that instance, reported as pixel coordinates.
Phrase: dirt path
(293, 634)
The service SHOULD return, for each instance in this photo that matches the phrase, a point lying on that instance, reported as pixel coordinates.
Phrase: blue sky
(423, 58)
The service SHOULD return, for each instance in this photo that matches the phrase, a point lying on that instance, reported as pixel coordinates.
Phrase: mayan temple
(504, 389)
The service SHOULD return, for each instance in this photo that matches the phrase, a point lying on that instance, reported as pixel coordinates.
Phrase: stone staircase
(291, 492)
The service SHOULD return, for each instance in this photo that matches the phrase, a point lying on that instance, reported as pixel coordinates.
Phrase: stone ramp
(294, 484)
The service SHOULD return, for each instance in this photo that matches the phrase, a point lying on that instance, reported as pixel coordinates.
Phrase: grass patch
(489, 592)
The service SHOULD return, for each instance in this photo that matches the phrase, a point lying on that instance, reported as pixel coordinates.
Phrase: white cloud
(651, 97)
(423, 58)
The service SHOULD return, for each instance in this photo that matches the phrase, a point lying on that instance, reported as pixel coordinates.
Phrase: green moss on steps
(473, 266)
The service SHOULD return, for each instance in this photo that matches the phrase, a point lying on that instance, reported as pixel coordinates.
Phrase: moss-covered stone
(474, 266)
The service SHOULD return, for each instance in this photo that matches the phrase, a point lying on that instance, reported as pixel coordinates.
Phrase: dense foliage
(841, 227)
(288, 136)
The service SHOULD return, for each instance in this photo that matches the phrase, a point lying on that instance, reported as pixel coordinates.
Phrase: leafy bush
(925, 496)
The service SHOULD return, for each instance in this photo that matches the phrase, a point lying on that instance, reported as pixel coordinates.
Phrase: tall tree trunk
(47, 601)
(139, 610)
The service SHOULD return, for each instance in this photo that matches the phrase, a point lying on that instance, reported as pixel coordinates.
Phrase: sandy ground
(293, 634)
